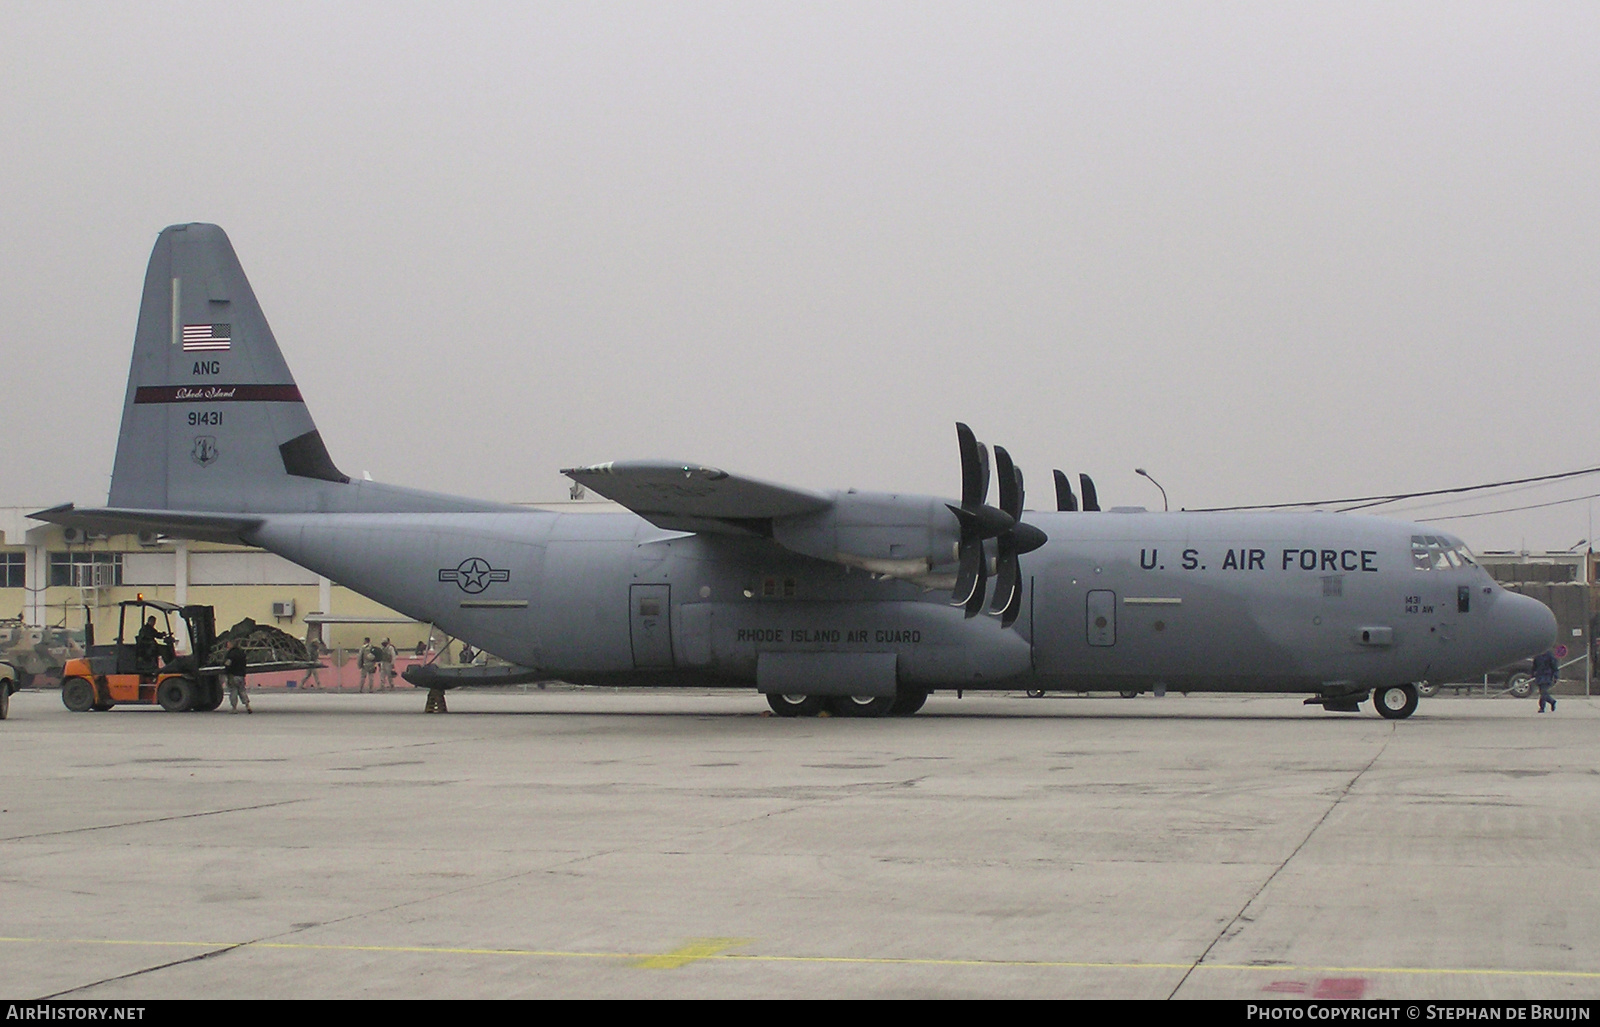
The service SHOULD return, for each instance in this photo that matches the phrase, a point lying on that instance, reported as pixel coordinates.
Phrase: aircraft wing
(683, 497)
(210, 527)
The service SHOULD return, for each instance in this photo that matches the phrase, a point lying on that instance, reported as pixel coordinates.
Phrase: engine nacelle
(882, 532)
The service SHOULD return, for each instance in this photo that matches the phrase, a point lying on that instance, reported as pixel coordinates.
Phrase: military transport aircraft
(856, 602)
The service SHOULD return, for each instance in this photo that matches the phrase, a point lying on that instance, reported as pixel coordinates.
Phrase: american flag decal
(206, 338)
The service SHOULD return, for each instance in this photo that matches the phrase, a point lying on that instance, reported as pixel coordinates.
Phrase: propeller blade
(970, 576)
(983, 464)
(1010, 478)
(974, 468)
(1006, 572)
(975, 602)
(1091, 501)
(1009, 616)
(1066, 502)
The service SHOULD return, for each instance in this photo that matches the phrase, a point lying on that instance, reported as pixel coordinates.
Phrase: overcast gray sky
(1269, 252)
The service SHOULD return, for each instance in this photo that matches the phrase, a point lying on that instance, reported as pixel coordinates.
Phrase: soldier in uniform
(386, 657)
(313, 652)
(368, 661)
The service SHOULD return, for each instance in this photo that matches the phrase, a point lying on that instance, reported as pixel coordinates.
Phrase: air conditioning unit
(99, 575)
(76, 535)
(149, 538)
(283, 609)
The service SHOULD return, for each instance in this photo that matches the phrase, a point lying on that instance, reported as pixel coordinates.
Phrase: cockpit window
(1439, 553)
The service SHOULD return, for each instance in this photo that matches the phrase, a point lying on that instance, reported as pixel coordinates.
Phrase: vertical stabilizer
(213, 419)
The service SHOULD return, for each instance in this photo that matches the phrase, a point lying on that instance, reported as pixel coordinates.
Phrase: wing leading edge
(684, 497)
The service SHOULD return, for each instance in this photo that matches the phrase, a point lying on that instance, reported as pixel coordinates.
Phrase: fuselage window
(1440, 553)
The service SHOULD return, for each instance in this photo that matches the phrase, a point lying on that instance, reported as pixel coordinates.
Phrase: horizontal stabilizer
(431, 675)
(683, 497)
(190, 524)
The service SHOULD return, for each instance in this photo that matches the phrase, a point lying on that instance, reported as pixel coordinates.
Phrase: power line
(1366, 501)
(1509, 509)
(1466, 499)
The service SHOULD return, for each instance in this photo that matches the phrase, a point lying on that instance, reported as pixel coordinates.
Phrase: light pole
(1146, 474)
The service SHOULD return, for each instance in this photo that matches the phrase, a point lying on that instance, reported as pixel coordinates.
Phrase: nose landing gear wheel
(795, 705)
(1397, 702)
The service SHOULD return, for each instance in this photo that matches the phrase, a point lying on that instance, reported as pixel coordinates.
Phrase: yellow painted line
(696, 948)
(714, 950)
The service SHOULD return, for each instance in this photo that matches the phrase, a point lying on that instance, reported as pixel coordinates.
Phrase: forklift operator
(149, 644)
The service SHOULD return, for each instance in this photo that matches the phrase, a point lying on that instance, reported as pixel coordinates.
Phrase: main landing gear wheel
(795, 705)
(908, 702)
(177, 695)
(861, 705)
(77, 695)
(1397, 702)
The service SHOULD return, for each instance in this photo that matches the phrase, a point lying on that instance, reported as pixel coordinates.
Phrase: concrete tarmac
(590, 843)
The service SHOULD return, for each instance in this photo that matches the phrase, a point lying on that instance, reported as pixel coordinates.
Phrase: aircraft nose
(1527, 627)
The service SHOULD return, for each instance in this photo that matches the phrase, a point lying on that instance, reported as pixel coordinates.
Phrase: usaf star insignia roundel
(474, 574)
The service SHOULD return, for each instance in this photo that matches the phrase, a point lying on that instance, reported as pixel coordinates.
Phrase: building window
(13, 570)
(86, 570)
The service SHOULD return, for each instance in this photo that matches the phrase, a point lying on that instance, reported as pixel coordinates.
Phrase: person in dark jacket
(1545, 672)
(233, 665)
(147, 647)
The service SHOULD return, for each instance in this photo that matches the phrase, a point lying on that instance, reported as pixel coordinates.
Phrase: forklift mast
(202, 623)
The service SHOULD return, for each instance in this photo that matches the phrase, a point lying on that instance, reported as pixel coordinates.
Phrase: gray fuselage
(1238, 602)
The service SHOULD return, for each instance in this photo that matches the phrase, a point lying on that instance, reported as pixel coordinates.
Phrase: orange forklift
(157, 663)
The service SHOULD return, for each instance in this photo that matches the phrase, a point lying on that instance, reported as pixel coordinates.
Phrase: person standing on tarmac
(1545, 672)
(368, 661)
(386, 657)
(233, 665)
(313, 653)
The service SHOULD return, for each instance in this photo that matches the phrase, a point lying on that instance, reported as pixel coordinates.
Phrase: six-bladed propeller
(980, 522)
